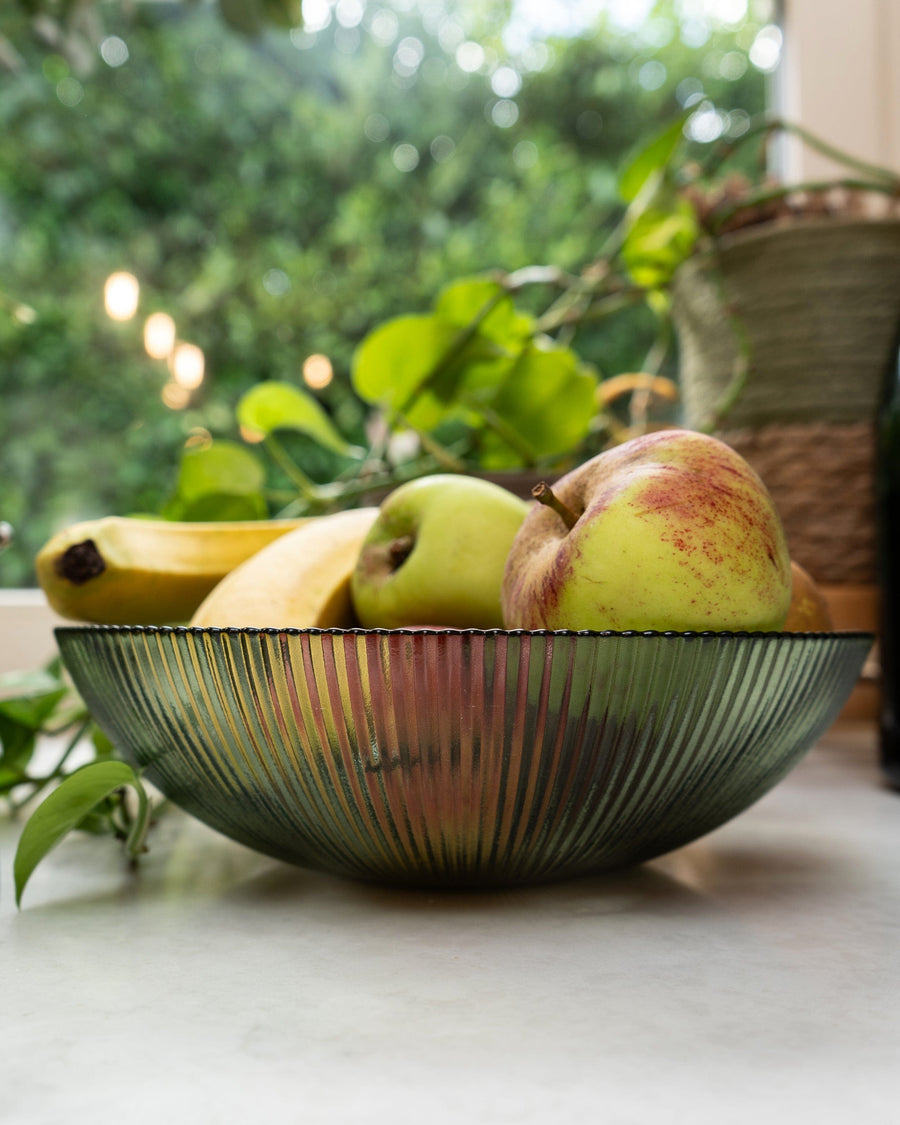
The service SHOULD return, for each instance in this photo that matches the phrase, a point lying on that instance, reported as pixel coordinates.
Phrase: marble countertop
(753, 976)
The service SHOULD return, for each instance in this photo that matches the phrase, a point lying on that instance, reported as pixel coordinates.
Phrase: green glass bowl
(461, 758)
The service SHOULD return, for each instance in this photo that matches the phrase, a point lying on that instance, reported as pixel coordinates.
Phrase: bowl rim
(437, 631)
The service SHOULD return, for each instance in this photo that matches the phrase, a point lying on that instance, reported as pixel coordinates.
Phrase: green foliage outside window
(280, 195)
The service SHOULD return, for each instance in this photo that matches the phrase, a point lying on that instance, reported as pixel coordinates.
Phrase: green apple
(436, 554)
(672, 530)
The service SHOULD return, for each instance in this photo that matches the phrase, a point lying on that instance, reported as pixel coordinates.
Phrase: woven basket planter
(819, 301)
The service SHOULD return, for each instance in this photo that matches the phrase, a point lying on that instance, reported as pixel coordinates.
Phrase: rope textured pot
(783, 331)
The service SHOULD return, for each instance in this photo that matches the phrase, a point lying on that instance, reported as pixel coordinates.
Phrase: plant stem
(137, 834)
(460, 342)
(768, 126)
(39, 783)
(740, 369)
(577, 312)
(781, 191)
(507, 434)
(305, 485)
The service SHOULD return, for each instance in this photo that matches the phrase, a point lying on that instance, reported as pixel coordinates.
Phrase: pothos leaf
(651, 158)
(546, 404)
(403, 365)
(462, 301)
(223, 467)
(65, 807)
(276, 405)
(659, 242)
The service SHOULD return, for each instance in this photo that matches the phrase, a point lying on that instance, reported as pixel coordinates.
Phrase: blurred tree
(279, 195)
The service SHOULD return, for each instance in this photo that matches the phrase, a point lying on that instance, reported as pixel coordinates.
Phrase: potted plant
(775, 304)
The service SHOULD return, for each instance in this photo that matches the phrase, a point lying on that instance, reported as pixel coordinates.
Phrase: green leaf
(403, 365)
(32, 711)
(223, 467)
(284, 13)
(103, 747)
(20, 684)
(658, 242)
(548, 401)
(219, 506)
(462, 301)
(246, 16)
(274, 406)
(654, 157)
(62, 811)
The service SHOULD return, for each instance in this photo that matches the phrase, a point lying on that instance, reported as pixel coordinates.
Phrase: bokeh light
(175, 397)
(765, 54)
(187, 364)
(114, 51)
(121, 294)
(470, 56)
(316, 15)
(317, 371)
(405, 157)
(159, 335)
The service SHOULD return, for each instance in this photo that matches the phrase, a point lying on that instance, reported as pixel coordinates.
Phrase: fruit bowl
(461, 758)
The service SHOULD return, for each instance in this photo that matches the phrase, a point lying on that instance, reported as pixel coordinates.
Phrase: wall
(841, 80)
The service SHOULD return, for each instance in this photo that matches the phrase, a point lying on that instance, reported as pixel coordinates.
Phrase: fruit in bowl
(436, 554)
(638, 698)
(669, 531)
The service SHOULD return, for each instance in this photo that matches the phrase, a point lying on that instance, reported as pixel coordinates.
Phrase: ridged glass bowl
(461, 758)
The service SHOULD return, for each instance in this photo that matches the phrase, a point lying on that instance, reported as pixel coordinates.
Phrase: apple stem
(545, 494)
(400, 549)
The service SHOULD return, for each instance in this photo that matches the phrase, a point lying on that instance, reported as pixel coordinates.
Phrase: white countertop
(753, 976)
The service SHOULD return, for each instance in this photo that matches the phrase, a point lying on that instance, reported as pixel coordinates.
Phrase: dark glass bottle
(887, 495)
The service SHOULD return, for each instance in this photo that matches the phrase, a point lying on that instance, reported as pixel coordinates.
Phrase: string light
(159, 335)
(317, 371)
(120, 295)
(187, 365)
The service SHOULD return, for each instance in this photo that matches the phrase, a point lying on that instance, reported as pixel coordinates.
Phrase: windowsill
(26, 630)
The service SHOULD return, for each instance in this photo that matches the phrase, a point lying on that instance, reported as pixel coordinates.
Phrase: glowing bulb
(175, 397)
(187, 365)
(159, 335)
(120, 295)
(317, 371)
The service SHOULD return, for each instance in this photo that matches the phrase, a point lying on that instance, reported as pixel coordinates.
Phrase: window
(188, 209)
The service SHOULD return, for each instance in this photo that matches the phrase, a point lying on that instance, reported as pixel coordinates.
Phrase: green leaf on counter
(282, 406)
(69, 804)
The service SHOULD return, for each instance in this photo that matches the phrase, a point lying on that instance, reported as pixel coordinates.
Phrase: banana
(300, 581)
(125, 571)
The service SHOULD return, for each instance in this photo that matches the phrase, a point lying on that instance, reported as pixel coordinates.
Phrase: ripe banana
(300, 581)
(125, 571)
